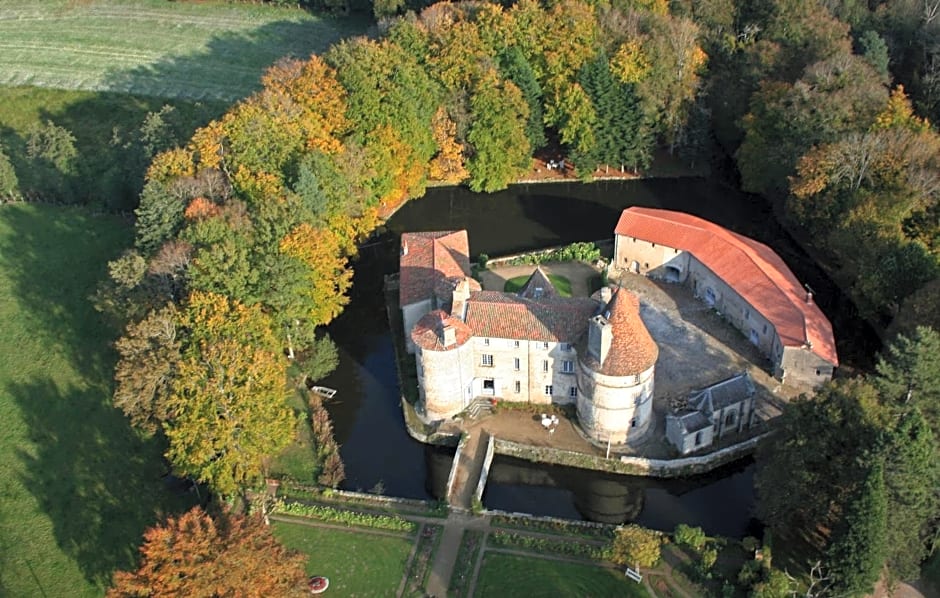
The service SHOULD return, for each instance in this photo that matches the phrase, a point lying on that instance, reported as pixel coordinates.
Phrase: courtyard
(696, 348)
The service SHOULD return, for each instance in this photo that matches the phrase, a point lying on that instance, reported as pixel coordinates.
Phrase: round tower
(444, 362)
(615, 377)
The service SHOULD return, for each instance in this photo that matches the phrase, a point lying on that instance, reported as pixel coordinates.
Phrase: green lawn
(508, 575)
(78, 486)
(562, 284)
(198, 50)
(357, 563)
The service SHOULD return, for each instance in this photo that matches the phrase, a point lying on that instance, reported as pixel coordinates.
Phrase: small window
(548, 390)
(515, 344)
(567, 367)
(652, 244)
(698, 438)
(545, 366)
(765, 328)
(545, 345)
(646, 265)
(486, 360)
(566, 347)
(538, 292)
(676, 251)
(729, 420)
(518, 387)
(817, 372)
(486, 342)
(573, 392)
(634, 239)
(516, 364)
(747, 314)
(633, 423)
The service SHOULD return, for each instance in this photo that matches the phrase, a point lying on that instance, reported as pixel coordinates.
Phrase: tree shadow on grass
(91, 474)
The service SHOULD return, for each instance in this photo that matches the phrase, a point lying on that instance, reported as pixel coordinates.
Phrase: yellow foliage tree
(630, 63)
(447, 165)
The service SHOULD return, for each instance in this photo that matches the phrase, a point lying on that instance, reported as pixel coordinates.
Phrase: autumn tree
(144, 376)
(635, 546)
(227, 407)
(447, 165)
(198, 555)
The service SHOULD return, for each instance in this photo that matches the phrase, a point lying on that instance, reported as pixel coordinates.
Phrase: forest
(245, 233)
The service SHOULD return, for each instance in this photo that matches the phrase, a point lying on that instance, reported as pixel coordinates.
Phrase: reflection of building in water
(437, 462)
(596, 496)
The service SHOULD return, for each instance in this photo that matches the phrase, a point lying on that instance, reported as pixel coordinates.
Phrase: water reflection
(720, 503)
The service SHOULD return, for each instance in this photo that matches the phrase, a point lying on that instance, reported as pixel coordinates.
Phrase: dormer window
(538, 292)
(607, 315)
(486, 342)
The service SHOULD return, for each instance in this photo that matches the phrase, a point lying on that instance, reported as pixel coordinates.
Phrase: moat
(379, 454)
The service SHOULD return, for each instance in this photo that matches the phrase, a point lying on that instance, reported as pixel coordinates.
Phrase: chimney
(404, 247)
(605, 295)
(448, 336)
(809, 297)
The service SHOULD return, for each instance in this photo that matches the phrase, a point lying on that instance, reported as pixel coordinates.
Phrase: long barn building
(744, 280)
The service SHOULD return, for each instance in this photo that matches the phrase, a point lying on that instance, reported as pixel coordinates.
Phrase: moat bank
(366, 412)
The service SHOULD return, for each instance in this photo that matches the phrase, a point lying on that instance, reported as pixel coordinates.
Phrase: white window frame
(548, 390)
(486, 360)
(567, 367)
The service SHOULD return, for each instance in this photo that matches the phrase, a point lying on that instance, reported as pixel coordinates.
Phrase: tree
(635, 546)
(201, 556)
(144, 375)
(912, 476)
(497, 134)
(227, 409)
(857, 551)
(9, 184)
(909, 374)
(447, 165)
(875, 51)
(51, 150)
(514, 66)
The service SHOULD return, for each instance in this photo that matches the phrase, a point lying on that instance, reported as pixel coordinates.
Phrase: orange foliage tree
(197, 555)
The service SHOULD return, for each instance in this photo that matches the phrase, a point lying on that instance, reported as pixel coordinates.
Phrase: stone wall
(454, 465)
(485, 472)
(656, 468)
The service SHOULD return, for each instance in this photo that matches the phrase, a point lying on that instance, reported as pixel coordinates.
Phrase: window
(545, 345)
(573, 392)
(486, 360)
(538, 292)
(515, 344)
(515, 364)
(518, 387)
(729, 420)
(652, 244)
(566, 347)
(567, 367)
(698, 438)
(765, 328)
(817, 372)
(486, 342)
(489, 386)
(646, 265)
(545, 366)
(633, 423)
(548, 390)
(747, 314)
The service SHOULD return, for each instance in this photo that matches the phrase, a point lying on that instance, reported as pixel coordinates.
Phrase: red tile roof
(632, 349)
(751, 268)
(427, 333)
(506, 315)
(426, 258)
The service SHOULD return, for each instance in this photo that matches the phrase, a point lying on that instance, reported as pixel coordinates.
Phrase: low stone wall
(655, 468)
(485, 472)
(365, 497)
(453, 467)
(548, 519)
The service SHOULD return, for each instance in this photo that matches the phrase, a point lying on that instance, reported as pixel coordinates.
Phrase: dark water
(366, 415)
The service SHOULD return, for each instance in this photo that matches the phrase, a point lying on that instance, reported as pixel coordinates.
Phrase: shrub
(693, 537)
(342, 516)
(482, 260)
(636, 546)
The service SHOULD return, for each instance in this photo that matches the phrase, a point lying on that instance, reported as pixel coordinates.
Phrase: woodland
(245, 233)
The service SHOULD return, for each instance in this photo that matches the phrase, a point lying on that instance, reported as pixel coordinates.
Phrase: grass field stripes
(157, 48)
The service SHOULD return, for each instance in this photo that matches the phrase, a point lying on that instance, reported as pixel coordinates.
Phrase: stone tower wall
(618, 408)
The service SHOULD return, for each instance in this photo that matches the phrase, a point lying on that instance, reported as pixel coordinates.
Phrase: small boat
(323, 391)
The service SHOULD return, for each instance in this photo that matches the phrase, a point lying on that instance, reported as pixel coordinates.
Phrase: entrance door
(489, 386)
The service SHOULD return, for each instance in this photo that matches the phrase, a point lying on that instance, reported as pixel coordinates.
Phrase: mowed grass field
(357, 563)
(510, 575)
(77, 485)
(200, 50)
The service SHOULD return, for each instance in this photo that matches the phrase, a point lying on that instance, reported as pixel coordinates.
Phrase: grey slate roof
(723, 394)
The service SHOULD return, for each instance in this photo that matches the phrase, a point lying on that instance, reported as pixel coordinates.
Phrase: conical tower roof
(632, 349)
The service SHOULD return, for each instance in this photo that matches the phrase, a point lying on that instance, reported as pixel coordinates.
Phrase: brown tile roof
(506, 315)
(751, 268)
(632, 349)
(538, 286)
(427, 333)
(427, 257)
